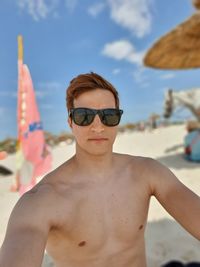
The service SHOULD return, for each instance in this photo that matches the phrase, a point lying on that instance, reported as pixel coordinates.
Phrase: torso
(101, 225)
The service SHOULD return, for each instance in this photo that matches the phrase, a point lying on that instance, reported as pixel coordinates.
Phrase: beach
(165, 239)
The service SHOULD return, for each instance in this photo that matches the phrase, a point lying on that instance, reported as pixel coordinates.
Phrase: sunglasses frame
(99, 112)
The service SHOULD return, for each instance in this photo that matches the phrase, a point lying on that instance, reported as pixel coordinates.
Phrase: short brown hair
(87, 82)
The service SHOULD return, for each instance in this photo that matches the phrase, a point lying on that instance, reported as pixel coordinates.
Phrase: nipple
(82, 243)
(141, 226)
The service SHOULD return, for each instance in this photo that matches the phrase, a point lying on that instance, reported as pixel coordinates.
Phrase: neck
(94, 164)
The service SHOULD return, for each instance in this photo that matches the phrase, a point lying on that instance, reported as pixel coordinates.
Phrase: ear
(69, 120)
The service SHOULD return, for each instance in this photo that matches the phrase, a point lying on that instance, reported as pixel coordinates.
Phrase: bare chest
(104, 222)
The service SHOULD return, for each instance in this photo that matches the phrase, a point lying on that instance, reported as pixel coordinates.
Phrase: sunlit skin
(92, 210)
(94, 141)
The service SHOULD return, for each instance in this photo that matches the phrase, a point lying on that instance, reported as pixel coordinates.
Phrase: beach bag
(192, 145)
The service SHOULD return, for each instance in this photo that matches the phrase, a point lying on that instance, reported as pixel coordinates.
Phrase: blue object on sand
(192, 146)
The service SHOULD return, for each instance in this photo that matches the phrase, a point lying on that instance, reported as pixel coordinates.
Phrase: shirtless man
(92, 210)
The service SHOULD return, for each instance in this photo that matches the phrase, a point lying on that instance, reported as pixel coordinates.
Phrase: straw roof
(178, 49)
(196, 3)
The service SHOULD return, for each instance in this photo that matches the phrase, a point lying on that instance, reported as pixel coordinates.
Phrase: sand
(165, 238)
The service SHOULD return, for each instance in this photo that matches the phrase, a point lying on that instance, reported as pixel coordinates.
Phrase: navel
(82, 243)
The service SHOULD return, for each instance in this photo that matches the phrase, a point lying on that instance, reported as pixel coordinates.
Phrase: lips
(97, 139)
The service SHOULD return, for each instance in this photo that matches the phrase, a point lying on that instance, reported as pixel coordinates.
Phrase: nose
(97, 126)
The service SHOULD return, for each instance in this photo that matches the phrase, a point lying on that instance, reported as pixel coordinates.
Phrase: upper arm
(175, 197)
(26, 235)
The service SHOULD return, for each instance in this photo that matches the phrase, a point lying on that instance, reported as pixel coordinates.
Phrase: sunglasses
(85, 116)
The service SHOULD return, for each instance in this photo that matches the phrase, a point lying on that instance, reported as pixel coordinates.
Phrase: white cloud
(135, 15)
(12, 94)
(83, 44)
(41, 94)
(138, 75)
(71, 4)
(47, 88)
(123, 50)
(141, 78)
(46, 106)
(39, 9)
(95, 9)
(167, 76)
(2, 111)
(145, 84)
(137, 57)
(116, 71)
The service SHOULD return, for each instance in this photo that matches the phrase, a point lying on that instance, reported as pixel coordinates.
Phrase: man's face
(96, 138)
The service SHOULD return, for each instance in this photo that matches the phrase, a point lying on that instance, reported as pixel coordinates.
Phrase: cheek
(79, 134)
(113, 133)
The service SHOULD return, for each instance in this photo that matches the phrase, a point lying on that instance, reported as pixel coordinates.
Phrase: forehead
(98, 98)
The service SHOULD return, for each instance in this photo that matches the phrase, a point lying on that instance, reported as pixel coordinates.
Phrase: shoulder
(151, 169)
(148, 171)
(140, 163)
(144, 164)
(160, 179)
(35, 207)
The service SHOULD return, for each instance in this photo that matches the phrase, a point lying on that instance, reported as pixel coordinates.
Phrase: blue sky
(63, 38)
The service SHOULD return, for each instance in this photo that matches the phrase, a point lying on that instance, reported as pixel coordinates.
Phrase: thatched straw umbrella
(180, 48)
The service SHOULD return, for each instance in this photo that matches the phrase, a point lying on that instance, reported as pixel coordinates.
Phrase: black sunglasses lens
(85, 116)
(82, 116)
(111, 117)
